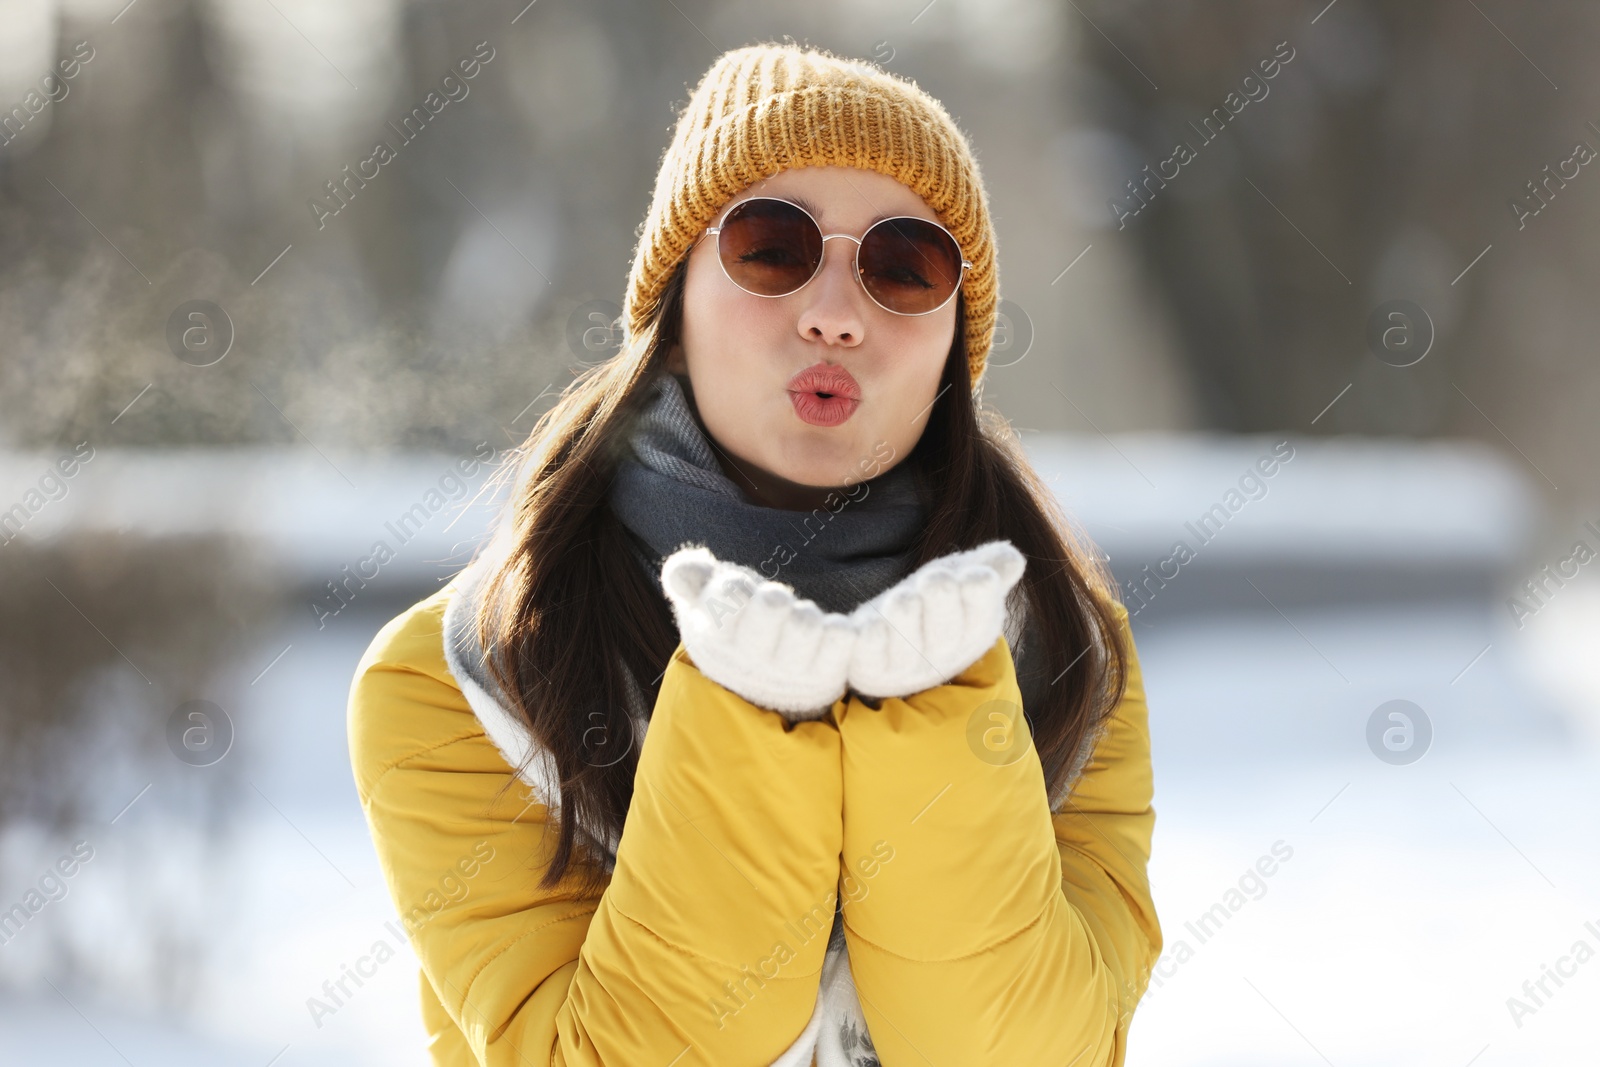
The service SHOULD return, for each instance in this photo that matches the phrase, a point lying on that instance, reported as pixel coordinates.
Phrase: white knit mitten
(935, 623)
(754, 637)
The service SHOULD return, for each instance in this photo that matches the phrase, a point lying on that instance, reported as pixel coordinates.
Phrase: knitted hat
(766, 108)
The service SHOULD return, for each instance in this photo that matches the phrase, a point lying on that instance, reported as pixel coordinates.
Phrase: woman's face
(740, 351)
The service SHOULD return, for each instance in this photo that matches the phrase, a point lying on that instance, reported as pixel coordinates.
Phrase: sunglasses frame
(716, 231)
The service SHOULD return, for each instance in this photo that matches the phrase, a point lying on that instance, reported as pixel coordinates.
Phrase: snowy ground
(1417, 898)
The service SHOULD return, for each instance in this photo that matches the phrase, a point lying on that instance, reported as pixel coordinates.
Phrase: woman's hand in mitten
(754, 637)
(934, 623)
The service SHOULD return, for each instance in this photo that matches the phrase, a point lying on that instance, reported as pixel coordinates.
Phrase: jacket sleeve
(982, 928)
(706, 946)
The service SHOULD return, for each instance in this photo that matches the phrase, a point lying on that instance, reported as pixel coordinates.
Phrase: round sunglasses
(773, 247)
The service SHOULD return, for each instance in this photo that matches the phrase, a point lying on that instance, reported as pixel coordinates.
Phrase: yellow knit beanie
(766, 108)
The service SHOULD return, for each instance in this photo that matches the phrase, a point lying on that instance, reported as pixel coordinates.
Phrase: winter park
(1285, 308)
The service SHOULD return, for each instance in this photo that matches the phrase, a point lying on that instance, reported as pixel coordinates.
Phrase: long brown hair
(575, 621)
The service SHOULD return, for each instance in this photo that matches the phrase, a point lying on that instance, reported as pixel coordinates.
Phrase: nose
(834, 309)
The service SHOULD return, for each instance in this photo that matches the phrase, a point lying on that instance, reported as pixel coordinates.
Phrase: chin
(813, 459)
(806, 475)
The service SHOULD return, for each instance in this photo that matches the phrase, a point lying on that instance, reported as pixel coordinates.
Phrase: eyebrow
(809, 206)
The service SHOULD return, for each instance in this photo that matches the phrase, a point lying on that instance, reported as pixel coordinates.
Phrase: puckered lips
(824, 394)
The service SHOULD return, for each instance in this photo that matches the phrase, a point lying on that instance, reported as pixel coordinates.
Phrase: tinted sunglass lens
(910, 266)
(769, 247)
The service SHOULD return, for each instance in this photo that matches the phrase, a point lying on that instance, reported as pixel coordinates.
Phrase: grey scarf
(669, 491)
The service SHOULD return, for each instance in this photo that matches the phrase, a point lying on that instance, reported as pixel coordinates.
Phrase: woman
(745, 631)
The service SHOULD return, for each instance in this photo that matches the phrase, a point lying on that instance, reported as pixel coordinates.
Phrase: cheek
(912, 382)
(705, 326)
(724, 333)
(722, 327)
(923, 348)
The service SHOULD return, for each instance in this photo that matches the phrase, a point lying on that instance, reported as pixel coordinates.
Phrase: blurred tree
(1374, 166)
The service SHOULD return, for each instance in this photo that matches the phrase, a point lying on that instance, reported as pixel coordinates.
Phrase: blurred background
(1346, 243)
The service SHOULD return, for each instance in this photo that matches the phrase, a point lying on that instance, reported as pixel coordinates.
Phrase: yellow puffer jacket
(981, 929)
